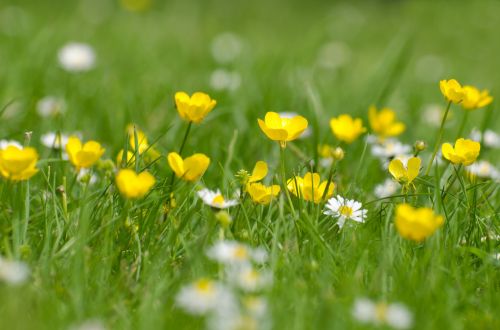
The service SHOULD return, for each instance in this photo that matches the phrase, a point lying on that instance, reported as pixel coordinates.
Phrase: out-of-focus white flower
(234, 253)
(343, 209)
(307, 132)
(255, 305)
(89, 325)
(54, 140)
(13, 272)
(5, 143)
(433, 114)
(249, 279)
(85, 175)
(489, 138)
(333, 55)
(429, 68)
(394, 315)
(390, 148)
(204, 296)
(215, 199)
(483, 169)
(76, 57)
(226, 47)
(388, 188)
(490, 236)
(50, 106)
(222, 79)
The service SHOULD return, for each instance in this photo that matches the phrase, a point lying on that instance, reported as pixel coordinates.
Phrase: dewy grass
(95, 235)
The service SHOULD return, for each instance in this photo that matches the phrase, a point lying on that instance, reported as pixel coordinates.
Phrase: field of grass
(97, 260)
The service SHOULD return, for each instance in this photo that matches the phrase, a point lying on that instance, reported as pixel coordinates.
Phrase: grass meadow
(78, 250)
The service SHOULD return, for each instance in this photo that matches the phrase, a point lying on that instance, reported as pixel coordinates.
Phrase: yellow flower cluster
(470, 97)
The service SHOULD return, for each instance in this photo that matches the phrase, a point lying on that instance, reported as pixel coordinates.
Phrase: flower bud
(224, 218)
(420, 145)
(338, 153)
(243, 176)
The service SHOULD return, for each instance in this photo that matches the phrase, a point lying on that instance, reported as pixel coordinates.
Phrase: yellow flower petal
(259, 172)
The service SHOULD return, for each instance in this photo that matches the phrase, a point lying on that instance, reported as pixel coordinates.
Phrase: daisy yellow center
(345, 210)
(381, 311)
(240, 253)
(204, 286)
(484, 169)
(219, 200)
(251, 276)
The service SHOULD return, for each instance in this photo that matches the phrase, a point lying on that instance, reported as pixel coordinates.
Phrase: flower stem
(172, 177)
(438, 140)
(283, 178)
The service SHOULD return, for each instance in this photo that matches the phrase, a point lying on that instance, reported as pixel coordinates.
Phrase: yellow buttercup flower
(347, 129)
(18, 164)
(194, 108)
(190, 168)
(325, 151)
(83, 156)
(282, 129)
(262, 194)
(129, 161)
(310, 187)
(383, 122)
(403, 175)
(416, 224)
(452, 90)
(132, 185)
(465, 151)
(259, 193)
(474, 98)
(142, 142)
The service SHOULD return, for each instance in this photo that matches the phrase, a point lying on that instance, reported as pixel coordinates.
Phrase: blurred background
(318, 58)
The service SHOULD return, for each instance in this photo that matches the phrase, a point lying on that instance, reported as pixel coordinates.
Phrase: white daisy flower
(255, 305)
(215, 199)
(390, 148)
(234, 253)
(484, 169)
(204, 296)
(307, 132)
(226, 47)
(344, 209)
(489, 138)
(6, 143)
(394, 315)
(13, 272)
(76, 57)
(388, 188)
(249, 279)
(222, 79)
(54, 140)
(50, 106)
